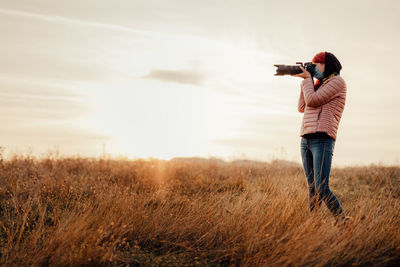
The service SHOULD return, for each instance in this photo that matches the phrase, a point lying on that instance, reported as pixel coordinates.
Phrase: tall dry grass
(72, 211)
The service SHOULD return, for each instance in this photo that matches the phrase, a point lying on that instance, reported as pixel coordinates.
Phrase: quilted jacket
(322, 108)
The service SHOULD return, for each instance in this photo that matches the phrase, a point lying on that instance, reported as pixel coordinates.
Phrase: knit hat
(332, 64)
(319, 58)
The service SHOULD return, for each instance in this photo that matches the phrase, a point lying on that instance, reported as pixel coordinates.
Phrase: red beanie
(319, 58)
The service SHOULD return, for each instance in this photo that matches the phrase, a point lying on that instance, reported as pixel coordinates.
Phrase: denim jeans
(317, 158)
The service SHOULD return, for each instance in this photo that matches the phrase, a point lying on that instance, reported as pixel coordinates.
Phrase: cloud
(18, 85)
(25, 101)
(26, 109)
(177, 76)
(65, 20)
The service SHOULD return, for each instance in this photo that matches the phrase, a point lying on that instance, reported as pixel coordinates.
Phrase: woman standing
(322, 104)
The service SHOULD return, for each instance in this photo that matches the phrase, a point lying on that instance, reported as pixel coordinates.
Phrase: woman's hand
(305, 74)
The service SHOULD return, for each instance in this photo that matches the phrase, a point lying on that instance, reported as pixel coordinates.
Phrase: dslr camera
(294, 69)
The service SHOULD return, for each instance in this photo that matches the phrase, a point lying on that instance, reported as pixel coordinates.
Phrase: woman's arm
(301, 104)
(324, 94)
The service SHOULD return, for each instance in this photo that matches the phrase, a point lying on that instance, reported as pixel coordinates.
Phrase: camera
(294, 69)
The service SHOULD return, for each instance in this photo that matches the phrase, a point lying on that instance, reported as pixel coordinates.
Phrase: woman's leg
(307, 157)
(322, 150)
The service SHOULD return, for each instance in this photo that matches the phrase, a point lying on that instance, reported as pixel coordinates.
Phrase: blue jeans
(317, 159)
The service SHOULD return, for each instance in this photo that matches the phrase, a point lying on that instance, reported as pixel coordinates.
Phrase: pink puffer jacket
(322, 108)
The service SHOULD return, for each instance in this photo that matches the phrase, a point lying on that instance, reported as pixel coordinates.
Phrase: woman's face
(320, 67)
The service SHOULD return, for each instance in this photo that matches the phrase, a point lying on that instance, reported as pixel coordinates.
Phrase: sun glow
(155, 118)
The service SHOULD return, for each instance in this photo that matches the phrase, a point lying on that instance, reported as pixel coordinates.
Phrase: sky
(164, 79)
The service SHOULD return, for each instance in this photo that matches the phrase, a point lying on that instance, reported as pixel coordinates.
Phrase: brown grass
(72, 211)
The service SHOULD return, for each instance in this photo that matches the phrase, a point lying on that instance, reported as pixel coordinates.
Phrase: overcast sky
(175, 78)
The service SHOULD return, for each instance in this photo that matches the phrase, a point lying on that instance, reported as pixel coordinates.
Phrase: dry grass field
(183, 212)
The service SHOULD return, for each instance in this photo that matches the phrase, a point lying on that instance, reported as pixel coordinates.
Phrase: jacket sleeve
(328, 91)
(301, 104)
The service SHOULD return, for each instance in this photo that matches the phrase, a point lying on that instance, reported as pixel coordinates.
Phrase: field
(191, 212)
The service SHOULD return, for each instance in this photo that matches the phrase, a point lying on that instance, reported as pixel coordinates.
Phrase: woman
(322, 104)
